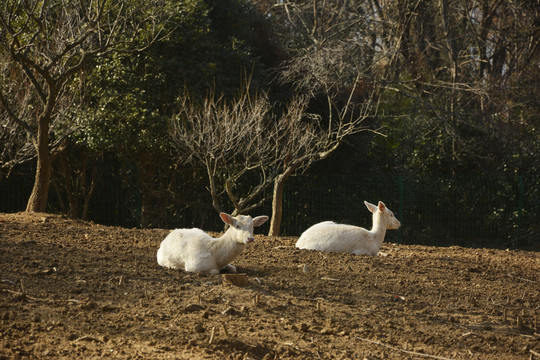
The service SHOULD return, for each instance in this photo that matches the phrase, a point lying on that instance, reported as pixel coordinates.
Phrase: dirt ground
(73, 289)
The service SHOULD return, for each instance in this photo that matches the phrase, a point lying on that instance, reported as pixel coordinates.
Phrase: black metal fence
(489, 210)
(486, 211)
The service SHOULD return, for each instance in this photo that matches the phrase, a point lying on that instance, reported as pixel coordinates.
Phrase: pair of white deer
(196, 251)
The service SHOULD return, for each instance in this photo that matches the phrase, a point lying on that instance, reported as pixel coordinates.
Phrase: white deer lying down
(196, 251)
(329, 236)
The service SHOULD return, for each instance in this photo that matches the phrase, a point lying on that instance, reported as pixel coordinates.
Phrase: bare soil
(73, 289)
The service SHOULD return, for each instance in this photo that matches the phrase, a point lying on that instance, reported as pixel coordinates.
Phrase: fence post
(400, 210)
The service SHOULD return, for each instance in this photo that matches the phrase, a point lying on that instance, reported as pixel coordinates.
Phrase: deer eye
(238, 226)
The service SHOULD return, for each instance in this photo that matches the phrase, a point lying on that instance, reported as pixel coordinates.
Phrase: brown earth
(72, 289)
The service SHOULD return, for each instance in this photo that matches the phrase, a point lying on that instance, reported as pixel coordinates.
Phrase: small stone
(193, 307)
(199, 328)
(235, 279)
(192, 342)
(230, 311)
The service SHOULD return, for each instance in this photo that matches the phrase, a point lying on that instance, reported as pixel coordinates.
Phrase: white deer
(196, 251)
(329, 236)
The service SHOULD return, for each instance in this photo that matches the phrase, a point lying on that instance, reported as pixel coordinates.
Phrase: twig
(310, 299)
(212, 335)
(319, 306)
(520, 278)
(23, 291)
(146, 292)
(88, 338)
(225, 329)
(403, 350)
(9, 281)
(40, 299)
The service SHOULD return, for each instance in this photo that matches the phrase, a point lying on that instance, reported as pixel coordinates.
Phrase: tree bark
(277, 206)
(40, 191)
(279, 185)
(277, 200)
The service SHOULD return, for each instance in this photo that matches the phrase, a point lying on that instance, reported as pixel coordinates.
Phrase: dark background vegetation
(452, 148)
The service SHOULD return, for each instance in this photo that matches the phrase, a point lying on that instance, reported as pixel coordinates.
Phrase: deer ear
(259, 220)
(370, 207)
(382, 207)
(227, 219)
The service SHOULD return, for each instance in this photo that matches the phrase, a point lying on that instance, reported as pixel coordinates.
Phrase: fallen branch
(403, 350)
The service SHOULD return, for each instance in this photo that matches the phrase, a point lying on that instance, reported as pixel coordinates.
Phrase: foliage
(45, 45)
(132, 96)
(452, 105)
(448, 89)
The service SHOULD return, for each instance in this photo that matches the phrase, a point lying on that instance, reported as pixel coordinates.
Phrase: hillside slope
(72, 289)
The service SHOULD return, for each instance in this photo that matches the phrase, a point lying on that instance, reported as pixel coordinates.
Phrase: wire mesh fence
(469, 211)
(486, 211)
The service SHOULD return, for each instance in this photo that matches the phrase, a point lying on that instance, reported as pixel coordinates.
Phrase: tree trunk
(277, 206)
(277, 199)
(40, 191)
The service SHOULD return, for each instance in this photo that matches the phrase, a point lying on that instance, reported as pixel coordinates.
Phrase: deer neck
(378, 231)
(227, 248)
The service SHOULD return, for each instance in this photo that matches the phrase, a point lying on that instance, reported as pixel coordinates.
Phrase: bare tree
(332, 61)
(45, 46)
(253, 139)
(227, 140)
(304, 143)
(249, 145)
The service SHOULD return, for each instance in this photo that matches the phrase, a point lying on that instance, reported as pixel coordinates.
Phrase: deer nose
(249, 239)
